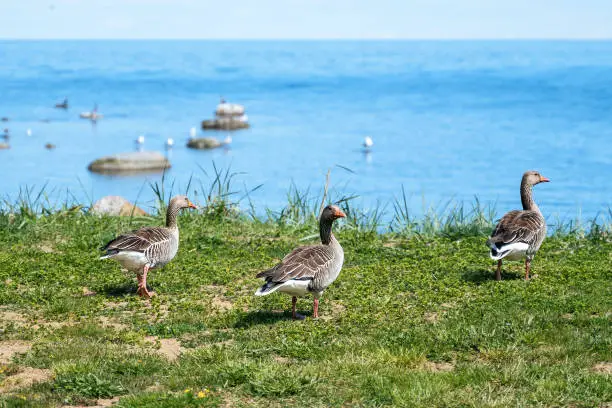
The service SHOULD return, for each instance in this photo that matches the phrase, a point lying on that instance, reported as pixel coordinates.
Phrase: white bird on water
(227, 140)
(193, 132)
(29, 132)
(140, 140)
(169, 143)
(368, 142)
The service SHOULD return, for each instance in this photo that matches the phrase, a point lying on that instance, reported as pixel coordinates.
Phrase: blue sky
(311, 19)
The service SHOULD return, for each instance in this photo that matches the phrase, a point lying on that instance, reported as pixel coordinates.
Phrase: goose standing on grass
(308, 268)
(149, 247)
(519, 234)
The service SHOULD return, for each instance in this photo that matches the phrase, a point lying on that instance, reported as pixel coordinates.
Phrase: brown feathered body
(308, 269)
(152, 247)
(519, 234)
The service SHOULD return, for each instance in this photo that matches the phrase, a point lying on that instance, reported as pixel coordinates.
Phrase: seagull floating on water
(227, 140)
(368, 142)
(140, 140)
(29, 132)
(193, 133)
(169, 143)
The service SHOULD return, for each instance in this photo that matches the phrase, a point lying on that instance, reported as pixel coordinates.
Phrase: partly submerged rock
(116, 205)
(4, 146)
(50, 146)
(132, 162)
(203, 143)
(225, 123)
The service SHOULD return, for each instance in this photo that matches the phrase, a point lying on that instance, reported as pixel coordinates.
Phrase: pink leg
(296, 316)
(142, 283)
(315, 313)
(498, 271)
(527, 268)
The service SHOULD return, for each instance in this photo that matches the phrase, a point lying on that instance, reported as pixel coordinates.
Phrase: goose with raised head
(519, 234)
(149, 247)
(308, 269)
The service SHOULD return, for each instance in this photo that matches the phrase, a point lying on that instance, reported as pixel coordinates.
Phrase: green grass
(415, 318)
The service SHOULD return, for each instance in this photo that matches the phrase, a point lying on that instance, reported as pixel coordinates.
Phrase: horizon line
(370, 39)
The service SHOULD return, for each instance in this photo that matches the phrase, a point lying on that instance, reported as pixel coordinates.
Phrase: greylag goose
(519, 234)
(308, 268)
(148, 247)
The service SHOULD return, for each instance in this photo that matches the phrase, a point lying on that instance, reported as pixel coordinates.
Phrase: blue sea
(450, 120)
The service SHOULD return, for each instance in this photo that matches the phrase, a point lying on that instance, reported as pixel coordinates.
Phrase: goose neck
(527, 197)
(325, 230)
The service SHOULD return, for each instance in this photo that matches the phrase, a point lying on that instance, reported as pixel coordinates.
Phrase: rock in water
(224, 123)
(132, 162)
(4, 146)
(203, 143)
(116, 205)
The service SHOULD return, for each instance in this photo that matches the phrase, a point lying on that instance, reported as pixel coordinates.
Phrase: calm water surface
(450, 120)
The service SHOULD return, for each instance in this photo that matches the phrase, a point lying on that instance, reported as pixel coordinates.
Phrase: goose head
(179, 202)
(332, 213)
(531, 178)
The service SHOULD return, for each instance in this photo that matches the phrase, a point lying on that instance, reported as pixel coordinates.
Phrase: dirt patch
(9, 348)
(106, 321)
(603, 368)
(337, 308)
(437, 367)
(431, 317)
(282, 360)
(449, 305)
(87, 292)
(46, 247)
(222, 304)
(7, 317)
(169, 348)
(568, 316)
(101, 403)
(392, 244)
(25, 378)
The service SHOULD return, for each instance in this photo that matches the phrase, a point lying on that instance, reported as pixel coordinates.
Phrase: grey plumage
(519, 234)
(149, 247)
(308, 269)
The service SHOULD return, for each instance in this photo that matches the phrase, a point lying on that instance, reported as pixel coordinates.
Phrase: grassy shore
(415, 318)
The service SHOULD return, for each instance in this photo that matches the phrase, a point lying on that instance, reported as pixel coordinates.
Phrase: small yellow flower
(187, 390)
(201, 394)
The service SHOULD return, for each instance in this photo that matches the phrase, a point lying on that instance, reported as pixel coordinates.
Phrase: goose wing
(303, 263)
(517, 226)
(139, 241)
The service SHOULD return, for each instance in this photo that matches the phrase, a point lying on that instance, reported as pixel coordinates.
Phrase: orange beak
(339, 214)
(544, 179)
(192, 205)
